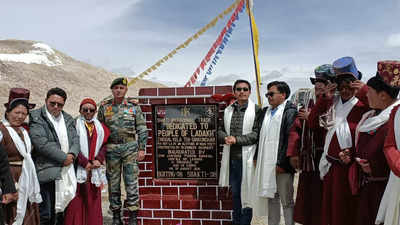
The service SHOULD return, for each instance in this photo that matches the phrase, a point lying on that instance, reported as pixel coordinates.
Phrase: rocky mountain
(38, 67)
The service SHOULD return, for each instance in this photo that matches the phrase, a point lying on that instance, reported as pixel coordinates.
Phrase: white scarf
(342, 130)
(247, 154)
(66, 187)
(370, 122)
(268, 145)
(28, 184)
(81, 174)
(389, 209)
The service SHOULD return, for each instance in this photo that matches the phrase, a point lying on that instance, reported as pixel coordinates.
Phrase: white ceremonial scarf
(66, 186)
(81, 174)
(389, 208)
(342, 130)
(28, 184)
(268, 152)
(247, 154)
(370, 122)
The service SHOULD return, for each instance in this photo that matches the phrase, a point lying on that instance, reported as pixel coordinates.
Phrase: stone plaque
(185, 138)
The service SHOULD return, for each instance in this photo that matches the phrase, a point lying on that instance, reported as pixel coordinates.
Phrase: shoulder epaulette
(106, 101)
(133, 100)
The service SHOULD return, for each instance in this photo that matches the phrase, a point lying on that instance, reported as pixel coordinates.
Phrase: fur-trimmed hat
(16, 95)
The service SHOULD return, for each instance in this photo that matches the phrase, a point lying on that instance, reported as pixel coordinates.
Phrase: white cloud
(393, 40)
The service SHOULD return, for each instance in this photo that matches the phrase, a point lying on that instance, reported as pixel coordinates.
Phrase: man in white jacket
(239, 135)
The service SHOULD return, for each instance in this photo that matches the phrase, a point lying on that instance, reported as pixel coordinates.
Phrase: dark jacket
(47, 154)
(6, 180)
(237, 130)
(288, 117)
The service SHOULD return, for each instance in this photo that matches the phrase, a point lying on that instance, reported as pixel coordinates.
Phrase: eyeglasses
(54, 104)
(270, 94)
(88, 110)
(240, 89)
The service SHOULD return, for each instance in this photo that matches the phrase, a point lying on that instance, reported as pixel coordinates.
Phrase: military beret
(119, 81)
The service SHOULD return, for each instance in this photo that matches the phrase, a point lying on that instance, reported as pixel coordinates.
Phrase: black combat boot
(117, 218)
(132, 218)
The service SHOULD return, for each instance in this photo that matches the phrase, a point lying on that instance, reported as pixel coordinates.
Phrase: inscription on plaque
(185, 141)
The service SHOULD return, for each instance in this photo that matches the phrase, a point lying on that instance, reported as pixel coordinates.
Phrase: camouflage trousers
(121, 158)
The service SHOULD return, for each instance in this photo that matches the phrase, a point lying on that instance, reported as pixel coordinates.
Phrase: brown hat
(19, 94)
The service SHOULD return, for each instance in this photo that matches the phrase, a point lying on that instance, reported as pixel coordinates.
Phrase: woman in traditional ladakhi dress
(338, 204)
(15, 139)
(370, 172)
(389, 212)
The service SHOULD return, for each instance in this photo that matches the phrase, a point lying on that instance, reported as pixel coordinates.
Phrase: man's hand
(96, 164)
(357, 85)
(345, 156)
(88, 167)
(230, 140)
(279, 170)
(366, 168)
(303, 114)
(330, 90)
(69, 160)
(294, 162)
(140, 155)
(9, 197)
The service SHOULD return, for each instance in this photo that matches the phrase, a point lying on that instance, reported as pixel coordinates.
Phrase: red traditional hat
(389, 71)
(88, 100)
(17, 94)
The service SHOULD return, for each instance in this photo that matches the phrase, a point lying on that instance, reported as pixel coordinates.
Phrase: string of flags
(186, 43)
(220, 50)
(217, 44)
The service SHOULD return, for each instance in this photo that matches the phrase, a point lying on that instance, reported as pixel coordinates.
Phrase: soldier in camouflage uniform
(126, 121)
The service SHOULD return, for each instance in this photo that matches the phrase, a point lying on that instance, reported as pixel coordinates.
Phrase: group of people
(343, 136)
(53, 168)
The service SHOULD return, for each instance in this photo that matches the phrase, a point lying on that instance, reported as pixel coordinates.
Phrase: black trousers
(47, 209)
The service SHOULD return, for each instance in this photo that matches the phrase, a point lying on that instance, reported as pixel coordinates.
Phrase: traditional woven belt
(333, 159)
(121, 140)
(374, 179)
(16, 163)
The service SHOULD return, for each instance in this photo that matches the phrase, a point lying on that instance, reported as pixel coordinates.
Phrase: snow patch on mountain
(41, 54)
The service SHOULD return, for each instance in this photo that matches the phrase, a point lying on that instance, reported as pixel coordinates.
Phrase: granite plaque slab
(185, 139)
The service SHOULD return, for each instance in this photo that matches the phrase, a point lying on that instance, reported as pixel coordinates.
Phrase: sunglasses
(240, 89)
(88, 110)
(54, 104)
(270, 94)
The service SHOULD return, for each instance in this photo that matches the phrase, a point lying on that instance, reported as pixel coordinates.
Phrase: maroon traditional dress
(32, 216)
(85, 208)
(338, 204)
(391, 152)
(308, 144)
(372, 186)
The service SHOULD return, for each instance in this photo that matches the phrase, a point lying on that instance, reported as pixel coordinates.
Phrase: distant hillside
(38, 67)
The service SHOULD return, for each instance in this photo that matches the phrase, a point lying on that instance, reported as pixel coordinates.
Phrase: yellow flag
(255, 40)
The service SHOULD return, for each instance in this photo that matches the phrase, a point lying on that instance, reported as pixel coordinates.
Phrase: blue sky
(295, 35)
